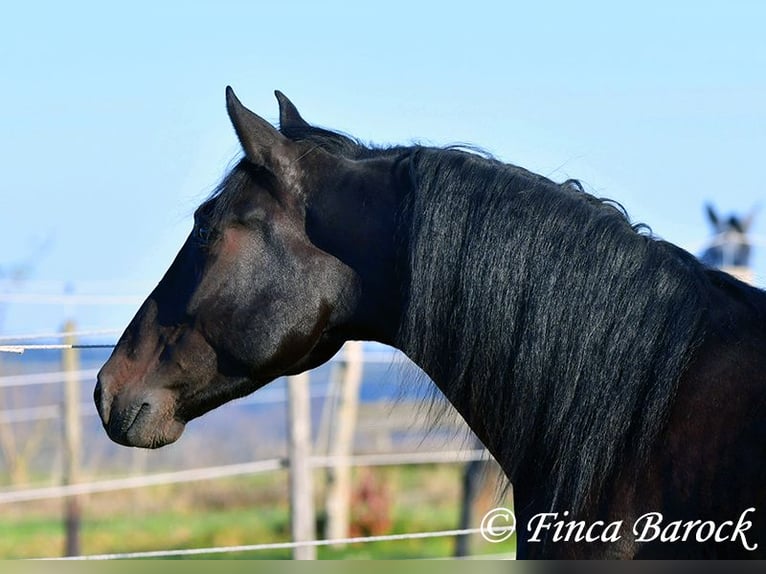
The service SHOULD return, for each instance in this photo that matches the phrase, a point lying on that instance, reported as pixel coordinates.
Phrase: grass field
(249, 510)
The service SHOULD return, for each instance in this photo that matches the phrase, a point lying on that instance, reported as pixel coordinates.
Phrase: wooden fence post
(72, 439)
(303, 521)
(341, 442)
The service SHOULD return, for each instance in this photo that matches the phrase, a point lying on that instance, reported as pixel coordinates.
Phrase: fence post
(341, 442)
(72, 439)
(303, 522)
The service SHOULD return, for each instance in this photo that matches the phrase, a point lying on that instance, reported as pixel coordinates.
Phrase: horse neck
(352, 218)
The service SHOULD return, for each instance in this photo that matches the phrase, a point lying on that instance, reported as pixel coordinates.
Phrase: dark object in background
(730, 246)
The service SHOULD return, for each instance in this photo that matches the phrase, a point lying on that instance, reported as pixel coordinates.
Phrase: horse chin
(146, 432)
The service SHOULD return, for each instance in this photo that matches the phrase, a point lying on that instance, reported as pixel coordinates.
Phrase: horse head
(271, 281)
(730, 245)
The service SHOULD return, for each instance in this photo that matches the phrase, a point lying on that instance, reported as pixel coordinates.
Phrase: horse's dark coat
(609, 373)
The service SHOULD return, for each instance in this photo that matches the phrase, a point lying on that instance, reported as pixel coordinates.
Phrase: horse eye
(203, 235)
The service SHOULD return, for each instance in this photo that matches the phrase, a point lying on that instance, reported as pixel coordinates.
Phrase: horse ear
(259, 138)
(289, 117)
(711, 215)
(736, 224)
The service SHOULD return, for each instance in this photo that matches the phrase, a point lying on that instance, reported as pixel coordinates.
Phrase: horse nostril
(102, 401)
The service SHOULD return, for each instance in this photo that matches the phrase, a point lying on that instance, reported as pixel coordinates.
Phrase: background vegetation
(254, 510)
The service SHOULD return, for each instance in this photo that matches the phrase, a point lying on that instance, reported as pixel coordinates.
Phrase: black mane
(582, 339)
(334, 142)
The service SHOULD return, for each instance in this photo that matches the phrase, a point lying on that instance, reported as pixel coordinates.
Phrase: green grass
(241, 511)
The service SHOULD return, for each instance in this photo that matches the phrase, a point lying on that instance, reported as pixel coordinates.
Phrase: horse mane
(336, 143)
(563, 326)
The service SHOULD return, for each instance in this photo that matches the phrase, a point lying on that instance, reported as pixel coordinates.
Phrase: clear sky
(113, 125)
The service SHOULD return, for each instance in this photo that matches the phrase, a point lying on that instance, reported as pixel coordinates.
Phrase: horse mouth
(144, 425)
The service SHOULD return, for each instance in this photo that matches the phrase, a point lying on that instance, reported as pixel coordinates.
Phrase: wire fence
(59, 335)
(279, 546)
(244, 469)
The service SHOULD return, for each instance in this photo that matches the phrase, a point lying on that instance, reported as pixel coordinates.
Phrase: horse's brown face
(248, 298)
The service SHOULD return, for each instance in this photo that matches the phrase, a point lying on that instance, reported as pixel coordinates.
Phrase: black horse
(610, 374)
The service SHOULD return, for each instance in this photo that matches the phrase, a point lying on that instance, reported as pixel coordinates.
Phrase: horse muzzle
(145, 418)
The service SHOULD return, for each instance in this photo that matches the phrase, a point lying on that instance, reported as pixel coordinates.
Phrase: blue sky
(113, 125)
